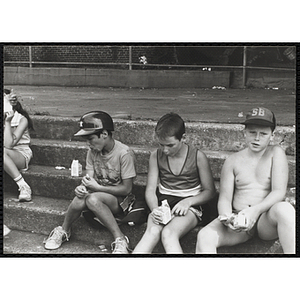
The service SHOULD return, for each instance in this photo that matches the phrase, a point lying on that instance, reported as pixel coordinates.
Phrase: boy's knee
(167, 234)
(283, 211)
(205, 235)
(92, 201)
(154, 230)
(77, 203)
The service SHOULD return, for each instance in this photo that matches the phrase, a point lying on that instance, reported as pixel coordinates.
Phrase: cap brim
(259, 122)
(83, 132)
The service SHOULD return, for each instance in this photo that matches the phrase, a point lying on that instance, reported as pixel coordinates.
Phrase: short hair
(170, 124)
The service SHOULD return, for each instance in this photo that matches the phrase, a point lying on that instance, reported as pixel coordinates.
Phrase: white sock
(20, 181)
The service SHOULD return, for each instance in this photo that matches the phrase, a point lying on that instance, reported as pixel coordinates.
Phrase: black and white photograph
(149, 149)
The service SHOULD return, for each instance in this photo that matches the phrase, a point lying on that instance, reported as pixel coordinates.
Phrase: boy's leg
(215, 235)
(104, 206)
(60, 234)
(279, 221)
(150, 238)
(176, 229)
(73, 213)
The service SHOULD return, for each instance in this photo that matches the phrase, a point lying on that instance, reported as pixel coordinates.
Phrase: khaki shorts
(26, 152)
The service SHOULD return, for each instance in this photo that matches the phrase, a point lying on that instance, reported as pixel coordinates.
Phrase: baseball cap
(260, 116)
(94, 121)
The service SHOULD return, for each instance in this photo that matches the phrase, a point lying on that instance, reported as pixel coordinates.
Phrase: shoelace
(120, 245)
(23, 188)
(55, 234)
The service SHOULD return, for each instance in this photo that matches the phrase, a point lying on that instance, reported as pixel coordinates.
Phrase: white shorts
(26, 152)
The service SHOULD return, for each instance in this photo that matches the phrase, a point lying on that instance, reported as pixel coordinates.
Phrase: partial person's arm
(11, 137)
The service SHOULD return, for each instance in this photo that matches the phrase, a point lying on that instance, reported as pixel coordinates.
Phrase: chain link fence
(151, 57)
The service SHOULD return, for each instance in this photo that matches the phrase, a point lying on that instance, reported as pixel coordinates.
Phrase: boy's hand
(89, 182)
(251, 215)
(156, 215)
(227, 220)
(81, 191)
(180, 209)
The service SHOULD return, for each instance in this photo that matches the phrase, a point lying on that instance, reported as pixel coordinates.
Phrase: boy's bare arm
(279, 180)
(122, 189)
(226, 187)
(152, 181)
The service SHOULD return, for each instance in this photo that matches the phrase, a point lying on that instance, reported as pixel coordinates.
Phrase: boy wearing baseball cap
(252, 188)
(108, 181)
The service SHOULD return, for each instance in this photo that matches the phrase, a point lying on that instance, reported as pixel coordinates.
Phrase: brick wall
(16, 53)
(88, 54)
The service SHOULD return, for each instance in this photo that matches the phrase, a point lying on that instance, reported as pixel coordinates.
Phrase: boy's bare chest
(252, 172)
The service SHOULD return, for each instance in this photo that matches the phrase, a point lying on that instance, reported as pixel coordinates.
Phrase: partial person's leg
(13, 162)
(175, 230)
(216, 235)
(279, 221)
(150, 238)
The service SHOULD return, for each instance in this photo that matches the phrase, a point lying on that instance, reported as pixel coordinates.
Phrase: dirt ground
(206, 105)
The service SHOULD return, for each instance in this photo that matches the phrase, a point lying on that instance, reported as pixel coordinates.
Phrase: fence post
(130, 57)
(244, 65)
(30, 57)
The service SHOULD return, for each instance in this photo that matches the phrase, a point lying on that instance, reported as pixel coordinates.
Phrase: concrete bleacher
(53, 145)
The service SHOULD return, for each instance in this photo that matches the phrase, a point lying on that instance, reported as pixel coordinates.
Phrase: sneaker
(56, 238)
(25, 193)
(120, 245)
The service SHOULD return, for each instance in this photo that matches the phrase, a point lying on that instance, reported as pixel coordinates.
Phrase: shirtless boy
(253, 184)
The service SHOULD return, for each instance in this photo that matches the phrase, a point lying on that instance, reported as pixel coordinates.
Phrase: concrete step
(61, 153)
(207, 136)
(36, 219)
(50, 182)
(24, 242)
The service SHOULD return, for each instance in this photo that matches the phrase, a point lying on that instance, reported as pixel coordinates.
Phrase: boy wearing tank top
(180, 174)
